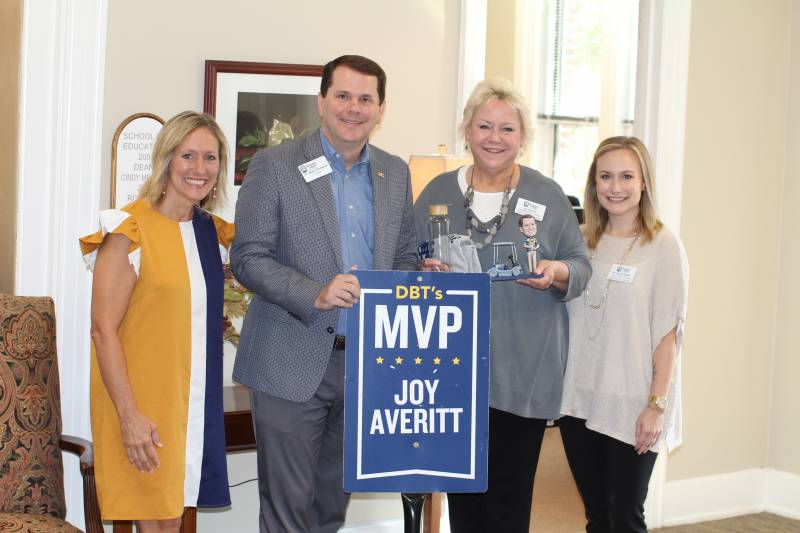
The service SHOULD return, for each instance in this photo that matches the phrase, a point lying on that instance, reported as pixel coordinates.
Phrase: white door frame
(661, 87)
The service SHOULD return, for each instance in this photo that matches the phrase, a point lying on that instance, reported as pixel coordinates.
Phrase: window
(585, 83)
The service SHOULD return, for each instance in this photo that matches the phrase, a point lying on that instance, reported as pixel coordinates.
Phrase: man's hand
(342, 291)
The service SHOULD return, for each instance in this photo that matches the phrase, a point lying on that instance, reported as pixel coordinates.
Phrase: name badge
(316, 168)
(623, 273)
(527, 207)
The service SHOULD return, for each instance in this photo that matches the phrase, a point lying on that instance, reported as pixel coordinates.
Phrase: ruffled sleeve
(225, 234)
(113, 221)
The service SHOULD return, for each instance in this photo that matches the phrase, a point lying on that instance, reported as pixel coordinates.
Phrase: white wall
(735, 163)
(784, 437)
(156, 52)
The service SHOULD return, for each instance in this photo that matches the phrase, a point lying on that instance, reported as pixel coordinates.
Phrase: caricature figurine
(527, 226)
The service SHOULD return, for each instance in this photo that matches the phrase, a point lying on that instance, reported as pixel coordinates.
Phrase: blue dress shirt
(352, 196)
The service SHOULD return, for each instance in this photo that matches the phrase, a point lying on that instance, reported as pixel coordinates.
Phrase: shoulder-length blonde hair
(171, 135)
(596, 217)
(503, 90)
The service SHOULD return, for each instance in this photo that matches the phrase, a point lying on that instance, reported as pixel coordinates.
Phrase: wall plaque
(130, 156)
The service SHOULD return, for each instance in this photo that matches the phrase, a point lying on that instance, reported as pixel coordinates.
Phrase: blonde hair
(169, 138)
(503, 90)
(596, 217)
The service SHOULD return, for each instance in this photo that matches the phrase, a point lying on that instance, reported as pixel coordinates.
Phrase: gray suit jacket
(287, 248)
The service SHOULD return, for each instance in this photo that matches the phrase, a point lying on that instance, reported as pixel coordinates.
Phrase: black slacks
(514, 445)
(611, 477)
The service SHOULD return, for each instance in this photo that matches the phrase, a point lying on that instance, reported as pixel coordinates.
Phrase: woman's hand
(140, 439)
(553, 273)
(648, 429)
(433, 265)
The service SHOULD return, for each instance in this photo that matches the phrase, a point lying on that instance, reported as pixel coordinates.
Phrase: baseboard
(755, 490)
(783, 494)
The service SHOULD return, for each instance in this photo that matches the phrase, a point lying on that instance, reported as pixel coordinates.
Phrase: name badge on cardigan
(527, 207)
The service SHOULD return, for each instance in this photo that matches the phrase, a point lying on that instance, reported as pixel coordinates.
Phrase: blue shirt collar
(334, 158)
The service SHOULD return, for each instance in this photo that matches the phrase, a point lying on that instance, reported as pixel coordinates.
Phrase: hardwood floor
(557, 506)
(754, 523)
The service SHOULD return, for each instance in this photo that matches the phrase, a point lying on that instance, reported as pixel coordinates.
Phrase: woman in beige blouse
(621, 400)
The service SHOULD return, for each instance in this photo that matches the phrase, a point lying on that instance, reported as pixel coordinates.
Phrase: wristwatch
(659, 402)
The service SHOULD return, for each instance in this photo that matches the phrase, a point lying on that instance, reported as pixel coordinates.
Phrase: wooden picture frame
(258, 105)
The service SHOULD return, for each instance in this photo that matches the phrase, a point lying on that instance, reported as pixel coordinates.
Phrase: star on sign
(418, 360)
(456, 360)
(379, 360)
(398, 360)
(436, 360)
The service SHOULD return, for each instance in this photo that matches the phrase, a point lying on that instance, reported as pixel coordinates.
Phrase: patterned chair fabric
(29, 523)
(31, 471)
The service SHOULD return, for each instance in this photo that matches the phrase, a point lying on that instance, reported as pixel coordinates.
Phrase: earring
(214, 193)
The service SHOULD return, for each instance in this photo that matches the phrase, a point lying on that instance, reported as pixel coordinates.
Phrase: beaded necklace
(496, 222)
(604, 297)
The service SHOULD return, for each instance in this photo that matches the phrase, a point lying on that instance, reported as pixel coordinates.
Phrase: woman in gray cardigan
(490, 202)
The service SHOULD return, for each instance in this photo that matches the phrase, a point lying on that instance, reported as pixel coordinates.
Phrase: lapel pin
(380, 174)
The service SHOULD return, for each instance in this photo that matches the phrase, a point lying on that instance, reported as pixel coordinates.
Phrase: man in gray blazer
(309, 211)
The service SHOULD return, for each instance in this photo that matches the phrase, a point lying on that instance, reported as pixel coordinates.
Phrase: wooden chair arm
(91, 510)
(80, 447)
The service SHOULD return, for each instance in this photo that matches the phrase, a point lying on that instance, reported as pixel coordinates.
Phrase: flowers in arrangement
(236, 300)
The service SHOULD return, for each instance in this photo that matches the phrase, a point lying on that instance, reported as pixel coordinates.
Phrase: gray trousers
(300, 457)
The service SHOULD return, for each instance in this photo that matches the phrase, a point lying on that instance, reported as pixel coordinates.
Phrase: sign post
(416, 385)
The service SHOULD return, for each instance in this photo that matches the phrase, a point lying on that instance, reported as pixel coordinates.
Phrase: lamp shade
(424, 168)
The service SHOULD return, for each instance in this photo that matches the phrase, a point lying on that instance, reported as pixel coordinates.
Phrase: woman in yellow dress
(156, 376)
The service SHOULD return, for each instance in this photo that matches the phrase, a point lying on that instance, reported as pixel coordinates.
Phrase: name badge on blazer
(316, 168)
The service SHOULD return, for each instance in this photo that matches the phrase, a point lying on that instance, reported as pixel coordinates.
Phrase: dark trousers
(299, 457)
(611, 477)
(514, 445)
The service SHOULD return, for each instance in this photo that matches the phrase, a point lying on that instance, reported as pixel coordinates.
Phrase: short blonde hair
(171, 135)
(503, 90)
(596, 217)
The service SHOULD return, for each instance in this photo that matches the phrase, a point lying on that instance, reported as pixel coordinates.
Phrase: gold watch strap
(659, 402)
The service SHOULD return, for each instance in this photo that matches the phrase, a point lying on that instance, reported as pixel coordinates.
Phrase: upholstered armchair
(31, 470)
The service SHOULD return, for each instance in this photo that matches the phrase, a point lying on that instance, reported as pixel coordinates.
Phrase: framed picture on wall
(259, 105)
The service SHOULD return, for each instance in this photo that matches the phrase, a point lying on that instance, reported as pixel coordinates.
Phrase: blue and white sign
(417, 383)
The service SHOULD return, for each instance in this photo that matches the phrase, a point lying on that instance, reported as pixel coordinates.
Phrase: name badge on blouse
(622, 273)
(316, 168)
(527, 207)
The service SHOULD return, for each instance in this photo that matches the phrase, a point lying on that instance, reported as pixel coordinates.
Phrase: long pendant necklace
(604, 297)
(497, 220)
